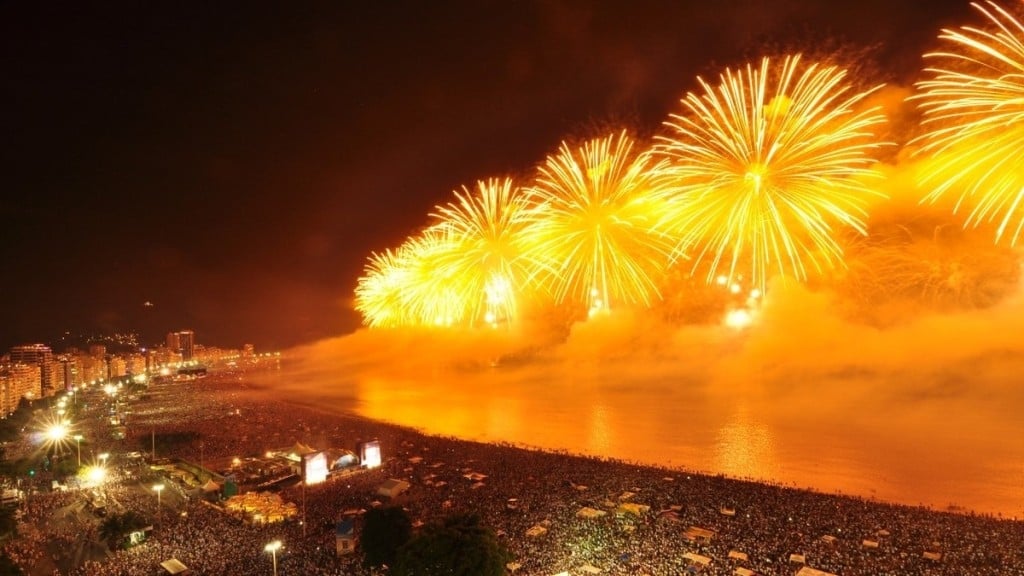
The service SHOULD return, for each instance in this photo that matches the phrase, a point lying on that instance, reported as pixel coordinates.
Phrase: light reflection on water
(936, 454)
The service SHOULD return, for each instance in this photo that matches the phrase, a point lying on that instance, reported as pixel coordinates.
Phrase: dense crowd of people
(533, 500)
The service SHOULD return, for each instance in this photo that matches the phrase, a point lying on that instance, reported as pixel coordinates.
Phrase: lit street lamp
(78, 444)
(103, 458)
(273, 547)
(158, 488)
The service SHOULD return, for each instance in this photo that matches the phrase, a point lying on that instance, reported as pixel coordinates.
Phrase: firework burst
(484, 233)
(593, 224)
(765, 165)
(973, 103)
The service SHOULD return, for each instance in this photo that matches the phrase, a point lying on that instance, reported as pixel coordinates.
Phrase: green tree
(8, 567)
(384, 531)
(8, 523)
(116, 527)
(460, 546)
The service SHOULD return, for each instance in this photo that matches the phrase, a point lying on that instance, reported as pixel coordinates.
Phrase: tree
(8, 523)
(460, 546)
(115, 527)
(384, 531)
(8, 567)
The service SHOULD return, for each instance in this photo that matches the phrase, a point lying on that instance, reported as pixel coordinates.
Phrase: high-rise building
(187, 341)
(37, 355)
(182, 342)
(173, 342)
(18, 381)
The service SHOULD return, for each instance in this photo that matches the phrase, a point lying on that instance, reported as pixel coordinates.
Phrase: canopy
(808, 571)
(174, 566)
(587, 512)
(697, 558)
(697, 533)
(393, 487)
(300, 449)
(738, 555)
(210, 486)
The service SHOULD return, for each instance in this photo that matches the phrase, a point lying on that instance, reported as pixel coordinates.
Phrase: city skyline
(231, 170)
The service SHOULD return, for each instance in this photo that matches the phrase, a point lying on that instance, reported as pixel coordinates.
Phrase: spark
(973, 104)
(593, 224)
(765, 165)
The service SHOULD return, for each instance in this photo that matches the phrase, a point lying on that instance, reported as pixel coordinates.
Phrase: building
(182, 342)
(17, 381)
(37, 355)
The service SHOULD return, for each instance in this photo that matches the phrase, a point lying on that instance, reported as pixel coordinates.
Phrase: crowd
(531, 499)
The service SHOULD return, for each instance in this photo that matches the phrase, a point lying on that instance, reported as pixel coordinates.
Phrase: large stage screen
(369, 454)
(314, 468)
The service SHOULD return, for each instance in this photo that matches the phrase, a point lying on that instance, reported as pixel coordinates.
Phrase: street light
(103, 458)
(158, 488)
(78, 444)
(273, 547)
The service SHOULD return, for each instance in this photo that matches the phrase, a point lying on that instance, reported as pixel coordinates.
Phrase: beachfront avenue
(185, 443)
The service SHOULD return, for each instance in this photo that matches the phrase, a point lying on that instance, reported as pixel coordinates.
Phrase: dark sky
(235, 164)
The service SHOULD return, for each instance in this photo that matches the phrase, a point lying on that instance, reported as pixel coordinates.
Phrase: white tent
(697, 558)
(536, 530)
(175, 567)
(588, 512)
(808, 571)
(736, 554)
(743, 572)
(695, 533)
(392, 488)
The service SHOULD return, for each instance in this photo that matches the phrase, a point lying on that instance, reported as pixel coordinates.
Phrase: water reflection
(925, 454)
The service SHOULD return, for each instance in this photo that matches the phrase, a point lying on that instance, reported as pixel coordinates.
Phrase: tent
(932, 556)
(737, 555)
(743, 572)
(175, 567)
(344, 537)
(697, 558)
(632, 508)
(210, 486)
(808, 571)
(589, 569)
(588, 512)
(300, 449)
(870, 543)
(798, 559)
(694, 533)
(536, 530)
(724, 511)
(393, 488)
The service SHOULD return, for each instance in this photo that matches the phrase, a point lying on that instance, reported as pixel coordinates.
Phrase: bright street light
(103, 458)
(273, 547)
(78, 444)
(158, 488)
(57, 432)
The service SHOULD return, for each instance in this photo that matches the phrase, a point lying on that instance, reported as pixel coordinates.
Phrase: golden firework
(593, 224)
(973, 102)
(483, 260)
(764, 166)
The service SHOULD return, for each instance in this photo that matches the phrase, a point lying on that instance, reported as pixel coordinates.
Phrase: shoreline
(314, 406)
(572, 512)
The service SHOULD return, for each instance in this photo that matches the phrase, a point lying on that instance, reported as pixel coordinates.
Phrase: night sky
(234, 165)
